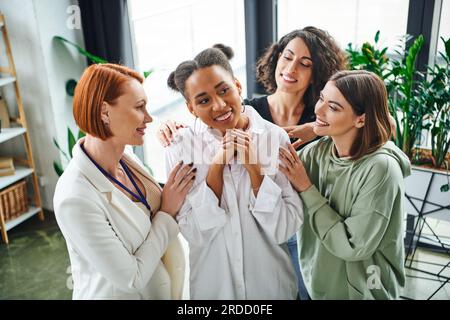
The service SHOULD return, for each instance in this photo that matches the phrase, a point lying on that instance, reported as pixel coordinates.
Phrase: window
(168, 32)
(347, 21)
(444, 26)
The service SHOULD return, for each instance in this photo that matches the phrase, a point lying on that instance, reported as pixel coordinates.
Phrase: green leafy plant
(399, 76)
(406, 108)
(434, 93)
(440, 89)
(90, 56)
(71, 83)
(417, 101)
(71, 141)
(369, 57)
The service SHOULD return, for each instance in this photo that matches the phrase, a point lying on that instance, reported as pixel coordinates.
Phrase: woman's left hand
(246, 153)
(294, 169)
(243, 145)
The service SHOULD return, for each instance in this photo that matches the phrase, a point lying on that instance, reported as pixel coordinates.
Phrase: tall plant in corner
(398, 75)
(405, 107)
(434, 91)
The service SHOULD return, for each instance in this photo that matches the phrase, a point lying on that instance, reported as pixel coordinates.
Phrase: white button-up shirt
(237, 247)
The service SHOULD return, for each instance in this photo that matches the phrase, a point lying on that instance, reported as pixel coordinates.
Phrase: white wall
(43, 66)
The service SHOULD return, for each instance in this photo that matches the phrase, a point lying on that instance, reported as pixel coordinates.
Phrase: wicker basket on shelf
(13, 200)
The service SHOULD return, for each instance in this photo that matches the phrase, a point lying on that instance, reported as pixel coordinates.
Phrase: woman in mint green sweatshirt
(351, 184)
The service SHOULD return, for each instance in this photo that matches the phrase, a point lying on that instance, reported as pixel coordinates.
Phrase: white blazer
(115, 251)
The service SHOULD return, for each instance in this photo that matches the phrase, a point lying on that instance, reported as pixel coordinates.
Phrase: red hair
(99, 83)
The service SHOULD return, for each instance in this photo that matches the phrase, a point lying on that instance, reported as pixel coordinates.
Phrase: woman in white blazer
(241, 209)
(118, 223)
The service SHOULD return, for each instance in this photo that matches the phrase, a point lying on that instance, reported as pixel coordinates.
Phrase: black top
(261, 105)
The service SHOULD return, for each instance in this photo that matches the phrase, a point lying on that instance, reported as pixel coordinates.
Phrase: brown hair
(366, 93)
(326, 55)
(99, 83)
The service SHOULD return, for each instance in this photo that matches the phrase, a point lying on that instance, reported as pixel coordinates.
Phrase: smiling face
(335, 116)
(127, 117)
(213, 95)
(294, 67)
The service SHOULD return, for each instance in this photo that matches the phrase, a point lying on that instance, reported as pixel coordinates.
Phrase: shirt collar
(255, 125)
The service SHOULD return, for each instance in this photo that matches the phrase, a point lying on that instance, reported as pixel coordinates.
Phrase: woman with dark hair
(292, 71)
(351, 183)
(241, 210)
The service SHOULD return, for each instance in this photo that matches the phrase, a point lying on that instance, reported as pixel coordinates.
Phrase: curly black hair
(327, 58)
(219, 55)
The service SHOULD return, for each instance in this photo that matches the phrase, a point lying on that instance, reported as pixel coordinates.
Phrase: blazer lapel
(130, 212)
(123, 205)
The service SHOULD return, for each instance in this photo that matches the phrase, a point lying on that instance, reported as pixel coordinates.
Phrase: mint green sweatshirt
(351, 241)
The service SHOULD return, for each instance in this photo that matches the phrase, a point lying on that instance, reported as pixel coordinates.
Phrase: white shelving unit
(9, 133)
(24, 167)
(21, 172)
(6, 80)
(14, 222)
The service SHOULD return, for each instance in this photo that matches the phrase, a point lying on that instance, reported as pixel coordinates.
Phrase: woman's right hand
(294, 169)
(179, 182)
(304, 133)
(167, 131)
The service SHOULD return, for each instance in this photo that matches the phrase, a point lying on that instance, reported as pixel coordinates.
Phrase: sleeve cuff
(268, 196)
(169, 223)
(312, 199)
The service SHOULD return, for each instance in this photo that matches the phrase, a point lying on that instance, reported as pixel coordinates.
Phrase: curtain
(106, 30)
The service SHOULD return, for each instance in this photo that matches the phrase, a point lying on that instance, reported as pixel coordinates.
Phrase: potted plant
(369, 57)
(419, 103)
(434, 93)
(398, 75)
